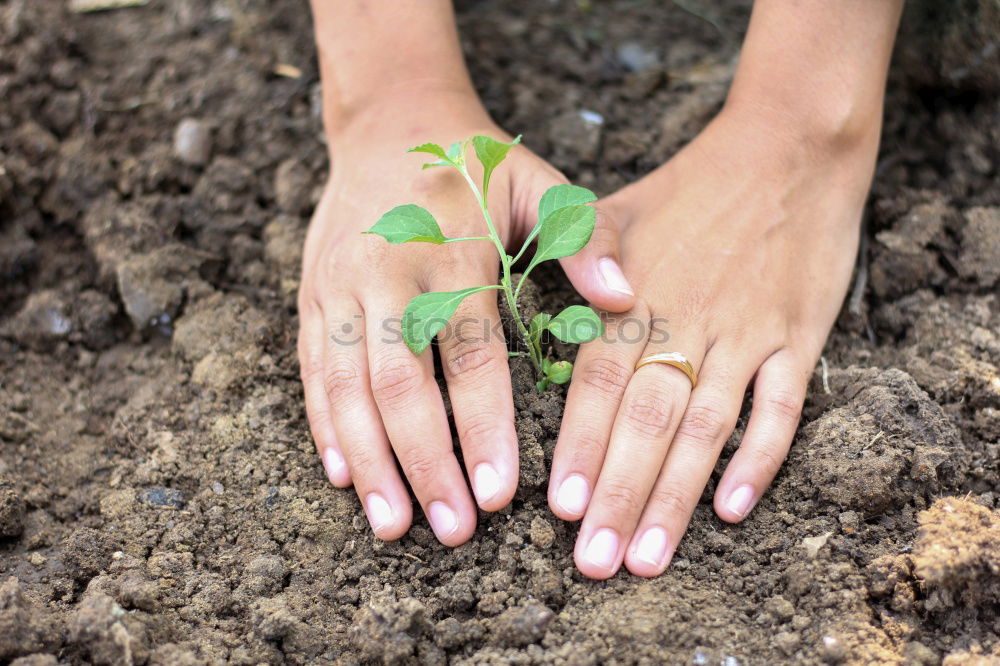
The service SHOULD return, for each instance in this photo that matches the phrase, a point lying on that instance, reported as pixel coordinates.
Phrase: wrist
(345, 105)
(816, 71)
(369, 50)
(415, 110)
(828, 127)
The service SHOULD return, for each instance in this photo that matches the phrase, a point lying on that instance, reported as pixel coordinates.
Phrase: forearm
(818, 68)
(369, 49)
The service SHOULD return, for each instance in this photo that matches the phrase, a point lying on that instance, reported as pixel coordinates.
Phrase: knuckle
(621, 497)
(648, 414)
(477, 428)
(590, 444)
(363, 462)
(395, 380)
(606, 375)
(319, 417)
(670, 502)
(764, 460)
(469, 355)
(704, 424)
(341, 375)
(421, 468)
(785, 404)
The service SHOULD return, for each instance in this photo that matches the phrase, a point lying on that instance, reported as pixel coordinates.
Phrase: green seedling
(565, 225)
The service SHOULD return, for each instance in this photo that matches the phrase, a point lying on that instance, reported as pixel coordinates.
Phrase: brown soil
(160, 499)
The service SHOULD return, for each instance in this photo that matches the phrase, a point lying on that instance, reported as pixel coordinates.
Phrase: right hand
(369, 400)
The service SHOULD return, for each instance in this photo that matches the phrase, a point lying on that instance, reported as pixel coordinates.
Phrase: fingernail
(443, 519)
(485, 482)
(573, 494)
(602, 551)
(652, 546)
(740, 501)
(333, 462)
(379, 511)
(613, 277)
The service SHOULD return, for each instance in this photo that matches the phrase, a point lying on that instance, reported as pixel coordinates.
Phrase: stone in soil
(152, 285)
(193, 141)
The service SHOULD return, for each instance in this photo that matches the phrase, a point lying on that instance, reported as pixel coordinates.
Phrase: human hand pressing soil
(369, 400)
(744, 247)
(744, 243)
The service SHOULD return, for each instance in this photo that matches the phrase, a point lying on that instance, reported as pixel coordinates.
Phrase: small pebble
(849, 520)
(162, 497)
(813, 545)
(635, 57)
(832, 650)
(193, 142)
(592, 117)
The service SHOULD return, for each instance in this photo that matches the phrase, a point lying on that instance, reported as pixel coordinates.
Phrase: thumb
(596, 271)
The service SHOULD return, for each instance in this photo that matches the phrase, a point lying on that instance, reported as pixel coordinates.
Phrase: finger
(356, 421)
(778, 394)
(412, 411)
(310, 346)
(474, 359)
(650, 412)
(602, 371)
(707, 423)
(596, 270)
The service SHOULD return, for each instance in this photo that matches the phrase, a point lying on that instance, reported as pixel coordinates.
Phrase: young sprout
(565, 224)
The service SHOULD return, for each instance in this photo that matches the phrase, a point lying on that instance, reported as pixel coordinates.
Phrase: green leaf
(455, 151)
(541, 385)
(436, 151)
(537, 325)
(576, 324)
(408, 224)
(560, 196)
(559, 372)
(556, 197)
(428, 313)
(564, 232)
(491, 153)
(430, 149)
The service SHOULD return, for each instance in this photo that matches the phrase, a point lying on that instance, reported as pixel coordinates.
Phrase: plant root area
(161, 501)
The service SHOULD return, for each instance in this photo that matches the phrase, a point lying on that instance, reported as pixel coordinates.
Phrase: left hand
(744, 244)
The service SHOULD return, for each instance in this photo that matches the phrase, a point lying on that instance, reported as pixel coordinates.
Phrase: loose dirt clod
(957, 555)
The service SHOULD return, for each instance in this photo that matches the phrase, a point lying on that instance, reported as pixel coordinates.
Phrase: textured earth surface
(160, 498)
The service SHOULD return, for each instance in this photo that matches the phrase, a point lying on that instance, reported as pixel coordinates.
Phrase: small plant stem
(505, 262)
(527, 242)
(523, 279)
(467, 238)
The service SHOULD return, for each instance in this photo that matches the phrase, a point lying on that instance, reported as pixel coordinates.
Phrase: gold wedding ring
(675, 359)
